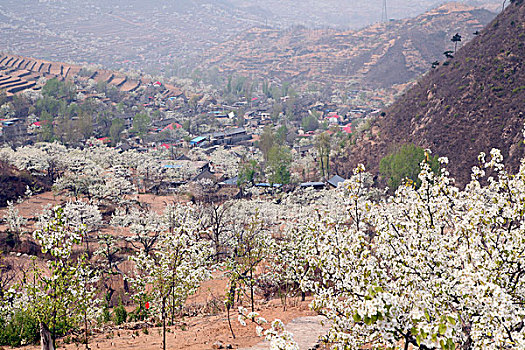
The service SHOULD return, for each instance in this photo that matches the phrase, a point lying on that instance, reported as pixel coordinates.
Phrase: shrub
(120, 314)
(405, 164)
(22, 329)
(309, 123)
(106, 315)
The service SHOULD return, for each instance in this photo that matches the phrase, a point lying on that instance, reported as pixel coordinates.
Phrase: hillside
(473, 104)
(169, 36)
(13, 183)
(378, 56)
(18, 73)
(352, 14)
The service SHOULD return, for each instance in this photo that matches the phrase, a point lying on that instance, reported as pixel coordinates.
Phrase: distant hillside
(19, 73)
(475, 103)
(378, 56)
(170, 36)
(340, 13)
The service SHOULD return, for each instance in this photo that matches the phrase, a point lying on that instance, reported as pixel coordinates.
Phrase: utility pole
(384, 13)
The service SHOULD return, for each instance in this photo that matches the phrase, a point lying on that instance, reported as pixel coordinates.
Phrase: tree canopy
(404, 164)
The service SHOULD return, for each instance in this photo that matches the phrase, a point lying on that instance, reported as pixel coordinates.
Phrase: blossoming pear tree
(167, 276)
(15, 221)
(62, 294)
(250, 244)
(279, 338)
(433, 267)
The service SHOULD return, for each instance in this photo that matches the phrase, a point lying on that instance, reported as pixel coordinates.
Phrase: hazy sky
(283, 13)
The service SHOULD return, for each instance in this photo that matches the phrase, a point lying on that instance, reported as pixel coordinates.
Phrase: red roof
(347, 128)
(157, 83)
(165, 145)
(172, 126)
(169, 127)
(37, 124)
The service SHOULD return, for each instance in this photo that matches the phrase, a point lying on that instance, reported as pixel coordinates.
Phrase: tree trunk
(251, 291)
(229, 322)
(406, 343)
(164, 323)
(87, 245)
(86, 330)
(45, 337)
(285, 296)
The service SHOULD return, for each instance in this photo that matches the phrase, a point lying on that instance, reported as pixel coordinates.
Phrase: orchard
(432, 266)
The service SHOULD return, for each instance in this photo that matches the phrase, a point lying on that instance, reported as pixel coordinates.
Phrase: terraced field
(19, 73)
(377, 56)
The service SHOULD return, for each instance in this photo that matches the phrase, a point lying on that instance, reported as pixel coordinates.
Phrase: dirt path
(306, 331)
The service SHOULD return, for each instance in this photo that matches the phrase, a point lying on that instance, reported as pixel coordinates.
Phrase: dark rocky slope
(473, 104)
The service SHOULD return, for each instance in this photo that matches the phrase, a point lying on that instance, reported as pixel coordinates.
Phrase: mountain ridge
(158, 36)
(377, 56)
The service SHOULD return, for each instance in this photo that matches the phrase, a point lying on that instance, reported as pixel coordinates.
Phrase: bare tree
(7, 275)
(215, 221)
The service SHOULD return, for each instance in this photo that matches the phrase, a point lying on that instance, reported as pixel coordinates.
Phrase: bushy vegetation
(120, 315)
(23, 328)
(403, 165)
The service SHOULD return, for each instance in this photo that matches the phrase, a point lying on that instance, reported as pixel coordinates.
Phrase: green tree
(193, 102)
(46, 127)
(266, 88)
(275, 93)
(141, 123)
(278, 165)
(267, 141)
(187, 125)
(85, 125)
(64, 130)
(404, 164)
(281, 134)
(456, 39)
(3, 97)
(229, 85)
(276, 111)
(59, 89)
(47, 104)
(117, 126)
(309, 123)
(248, 172)
(323, 145)
(285, 88)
